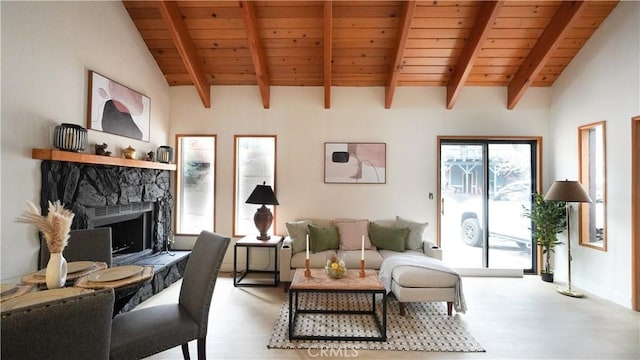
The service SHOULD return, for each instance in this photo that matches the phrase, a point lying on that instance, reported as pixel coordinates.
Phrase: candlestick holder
(362, 274)
(307, 272)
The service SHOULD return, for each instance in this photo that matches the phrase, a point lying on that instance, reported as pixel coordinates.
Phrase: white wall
(48, 48)
(601, 83)
(302, 125)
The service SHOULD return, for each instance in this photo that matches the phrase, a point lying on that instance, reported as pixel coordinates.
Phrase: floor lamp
(568, 191)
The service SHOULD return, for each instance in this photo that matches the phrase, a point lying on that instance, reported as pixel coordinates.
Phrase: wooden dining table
(10, 291)
(84, 268)
(124, 280)
(125, 288)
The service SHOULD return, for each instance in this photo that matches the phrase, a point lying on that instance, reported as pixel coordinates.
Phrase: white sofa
(409, 283)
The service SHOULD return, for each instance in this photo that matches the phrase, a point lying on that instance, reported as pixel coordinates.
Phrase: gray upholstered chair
(84, 244)
(147, 331)
(77, 327)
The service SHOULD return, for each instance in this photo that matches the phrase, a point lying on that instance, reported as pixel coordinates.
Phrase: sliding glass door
(484, 187)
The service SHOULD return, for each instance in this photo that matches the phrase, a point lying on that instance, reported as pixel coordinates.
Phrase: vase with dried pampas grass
(55, 228)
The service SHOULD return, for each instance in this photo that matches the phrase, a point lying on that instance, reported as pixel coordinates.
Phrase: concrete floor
(512, 318)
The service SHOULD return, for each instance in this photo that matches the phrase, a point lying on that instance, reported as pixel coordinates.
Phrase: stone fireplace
(131, 196)
(134, 202)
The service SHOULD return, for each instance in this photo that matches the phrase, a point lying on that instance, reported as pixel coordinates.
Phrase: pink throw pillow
(351, 232)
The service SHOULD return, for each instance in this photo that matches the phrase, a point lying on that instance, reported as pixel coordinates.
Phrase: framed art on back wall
(116, 109)
(355, 163)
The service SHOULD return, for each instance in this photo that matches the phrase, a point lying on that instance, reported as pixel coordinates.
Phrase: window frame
(584, 209)
(536, 167)
(237, 232)
(179, 180)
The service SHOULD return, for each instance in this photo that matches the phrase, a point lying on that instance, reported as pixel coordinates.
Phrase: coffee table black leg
(384, 316)
(373, 303)
(290, 313)
(293, 312)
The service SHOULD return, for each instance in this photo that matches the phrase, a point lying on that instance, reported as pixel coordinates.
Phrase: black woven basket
(70, 137)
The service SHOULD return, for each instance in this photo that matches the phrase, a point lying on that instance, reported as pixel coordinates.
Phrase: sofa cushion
(387, 253)
(298, 231)
(323, 238)
(415, 277)
(351, 233)
(389, 238)
(316, 260)
(416, 232)
(372, 259)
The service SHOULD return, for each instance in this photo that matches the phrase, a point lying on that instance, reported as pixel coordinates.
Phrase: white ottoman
(416, 284)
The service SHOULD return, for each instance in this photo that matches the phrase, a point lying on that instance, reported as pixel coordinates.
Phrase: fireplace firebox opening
(131, 227)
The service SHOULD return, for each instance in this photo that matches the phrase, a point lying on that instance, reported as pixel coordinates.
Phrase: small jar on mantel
(165, 154)
(129, 153)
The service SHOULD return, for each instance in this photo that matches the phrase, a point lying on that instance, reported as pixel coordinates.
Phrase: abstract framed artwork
(116, 109)
(355, 163)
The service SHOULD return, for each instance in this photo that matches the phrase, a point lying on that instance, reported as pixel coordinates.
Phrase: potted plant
(549, 219)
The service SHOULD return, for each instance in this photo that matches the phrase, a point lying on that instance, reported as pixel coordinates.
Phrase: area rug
(425, 327)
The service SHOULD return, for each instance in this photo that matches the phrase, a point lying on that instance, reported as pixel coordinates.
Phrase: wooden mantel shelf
(59, 155)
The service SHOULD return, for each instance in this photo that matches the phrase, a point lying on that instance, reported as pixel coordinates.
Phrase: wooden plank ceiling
(452, 44)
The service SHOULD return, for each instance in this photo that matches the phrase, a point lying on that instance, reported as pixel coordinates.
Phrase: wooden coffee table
(319, 282)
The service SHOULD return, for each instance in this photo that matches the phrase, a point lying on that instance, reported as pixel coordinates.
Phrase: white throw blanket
(386, 271)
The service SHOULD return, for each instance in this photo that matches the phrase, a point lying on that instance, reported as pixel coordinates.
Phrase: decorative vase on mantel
(56, 273)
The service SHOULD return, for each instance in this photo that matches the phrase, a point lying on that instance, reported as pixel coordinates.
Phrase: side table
(249, 242)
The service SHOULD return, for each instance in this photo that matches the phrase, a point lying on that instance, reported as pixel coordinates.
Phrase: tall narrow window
(195, 185)
(593, 231)
(255, 164)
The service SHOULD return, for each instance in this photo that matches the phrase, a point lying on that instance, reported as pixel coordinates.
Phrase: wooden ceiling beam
(486, 16)
(257, 50)
(183, 42)
(547, 43)
(405, 25)
(327, 27)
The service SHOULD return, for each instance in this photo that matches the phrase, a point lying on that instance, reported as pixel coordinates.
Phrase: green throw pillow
(416, 232)
(388, 238)
(298, 231)
(323, 238)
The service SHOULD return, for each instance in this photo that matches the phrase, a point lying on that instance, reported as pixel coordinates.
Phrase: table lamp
(568, 191)
(263, 194)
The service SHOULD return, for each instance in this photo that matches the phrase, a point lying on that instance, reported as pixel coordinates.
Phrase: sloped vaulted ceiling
(515, 44)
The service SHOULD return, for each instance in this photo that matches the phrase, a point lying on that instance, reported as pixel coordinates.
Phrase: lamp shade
(567, 191)
(262, 194)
